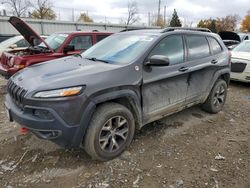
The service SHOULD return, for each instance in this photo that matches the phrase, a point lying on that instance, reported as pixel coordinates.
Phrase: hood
(229, 35)
(27, 32)
(241, 55)
(68, 71)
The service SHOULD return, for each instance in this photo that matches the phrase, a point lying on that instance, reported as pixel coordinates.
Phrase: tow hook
(24, 130)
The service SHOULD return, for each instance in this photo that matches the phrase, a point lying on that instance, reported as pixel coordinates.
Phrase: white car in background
(17, 42)
(240, 67)
(14, 43)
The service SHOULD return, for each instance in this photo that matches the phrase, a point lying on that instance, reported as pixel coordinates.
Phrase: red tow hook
(24, 130)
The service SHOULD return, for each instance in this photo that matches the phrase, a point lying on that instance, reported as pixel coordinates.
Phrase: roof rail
(134, 29)
(168, 29)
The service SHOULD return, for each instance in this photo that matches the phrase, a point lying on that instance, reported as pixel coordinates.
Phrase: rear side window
(82, 42)
(215, 46)
(171, 47)
(100, 37)
(197, 47)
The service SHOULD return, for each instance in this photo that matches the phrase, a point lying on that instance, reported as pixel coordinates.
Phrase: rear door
(202, 60)
(164, 88)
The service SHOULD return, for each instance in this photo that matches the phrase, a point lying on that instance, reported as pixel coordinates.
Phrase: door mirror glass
(158, 60)
(69, 48)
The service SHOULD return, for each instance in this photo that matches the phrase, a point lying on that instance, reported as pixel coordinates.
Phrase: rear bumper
(54, 128)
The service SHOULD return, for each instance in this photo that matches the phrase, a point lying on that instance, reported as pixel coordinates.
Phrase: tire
(105, 138)
(216, 98)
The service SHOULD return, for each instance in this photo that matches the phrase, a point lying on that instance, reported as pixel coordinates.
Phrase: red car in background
(57, 45)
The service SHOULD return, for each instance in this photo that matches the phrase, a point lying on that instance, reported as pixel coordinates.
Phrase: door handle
(183, 69)
(214, 61)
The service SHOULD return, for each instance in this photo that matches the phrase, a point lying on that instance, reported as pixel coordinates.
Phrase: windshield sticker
(63, 35)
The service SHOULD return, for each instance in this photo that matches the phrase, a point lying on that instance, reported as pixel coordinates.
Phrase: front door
(164, 88)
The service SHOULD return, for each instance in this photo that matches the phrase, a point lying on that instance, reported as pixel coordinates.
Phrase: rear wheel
(110, 131)
(216, 98)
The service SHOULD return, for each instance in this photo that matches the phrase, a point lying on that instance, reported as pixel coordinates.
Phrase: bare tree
(43, 10)
(18, 7)
(132, 13)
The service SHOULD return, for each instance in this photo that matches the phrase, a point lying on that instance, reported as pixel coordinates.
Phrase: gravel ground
(189, 149)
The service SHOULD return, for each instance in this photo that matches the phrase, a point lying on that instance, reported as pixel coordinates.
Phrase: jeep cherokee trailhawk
(98, 99)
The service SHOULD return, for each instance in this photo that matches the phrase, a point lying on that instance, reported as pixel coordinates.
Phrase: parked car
(97, 99)
(240, 69)
(230, 39)
(244, 36)
(14, 43)
(57, 45)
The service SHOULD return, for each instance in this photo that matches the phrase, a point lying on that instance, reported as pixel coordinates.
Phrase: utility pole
(159, 10)
(149, 19)
(165, 15)
(73, 15)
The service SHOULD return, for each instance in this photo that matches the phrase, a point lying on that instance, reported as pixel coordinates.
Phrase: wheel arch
(127, 98)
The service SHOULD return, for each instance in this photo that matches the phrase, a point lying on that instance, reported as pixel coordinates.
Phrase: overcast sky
(190, 10)
(114, 10)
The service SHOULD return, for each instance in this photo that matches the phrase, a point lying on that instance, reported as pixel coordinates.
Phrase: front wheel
(110, 131)
(216, 98)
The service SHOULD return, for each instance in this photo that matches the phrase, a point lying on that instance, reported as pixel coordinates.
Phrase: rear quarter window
(197, 47)
(215, 46)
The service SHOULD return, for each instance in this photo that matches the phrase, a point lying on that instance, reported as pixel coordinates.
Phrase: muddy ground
(188, 149)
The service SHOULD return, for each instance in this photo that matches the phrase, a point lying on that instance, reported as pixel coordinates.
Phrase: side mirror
(69, 48)
(158, 60)
(13, 46)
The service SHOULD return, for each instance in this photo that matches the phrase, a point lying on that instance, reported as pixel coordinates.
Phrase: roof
(82, 32)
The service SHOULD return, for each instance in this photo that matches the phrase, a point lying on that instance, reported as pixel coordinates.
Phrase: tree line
(43, 9)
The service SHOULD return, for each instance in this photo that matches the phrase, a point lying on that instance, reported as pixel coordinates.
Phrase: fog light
(19, 66)
(43, 114)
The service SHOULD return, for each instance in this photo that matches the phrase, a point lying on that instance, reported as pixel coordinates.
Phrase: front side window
(171, 47)
(82, 42)
(120, 48)
(197, 47)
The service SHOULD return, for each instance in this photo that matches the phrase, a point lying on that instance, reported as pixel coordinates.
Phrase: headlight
(65, 92)
(11, 61)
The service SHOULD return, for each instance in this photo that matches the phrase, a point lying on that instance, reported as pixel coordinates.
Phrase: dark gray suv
(98, 99)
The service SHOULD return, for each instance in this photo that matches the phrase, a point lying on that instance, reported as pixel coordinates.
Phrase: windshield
(6, 44)
(242, 47)
(55, 41)
(120, 48)
(241, 36)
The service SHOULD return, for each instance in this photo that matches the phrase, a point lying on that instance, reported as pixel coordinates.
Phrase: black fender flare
(99, 98)
(216, 76)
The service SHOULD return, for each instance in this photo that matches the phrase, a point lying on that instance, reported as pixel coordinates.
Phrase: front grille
(238, 67)
(16, 92)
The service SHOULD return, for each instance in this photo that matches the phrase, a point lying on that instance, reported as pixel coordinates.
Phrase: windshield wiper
(95, 59)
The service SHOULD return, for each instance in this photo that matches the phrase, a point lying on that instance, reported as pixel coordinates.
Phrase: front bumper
(7, 73)
(242, 77)
(53, 128)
